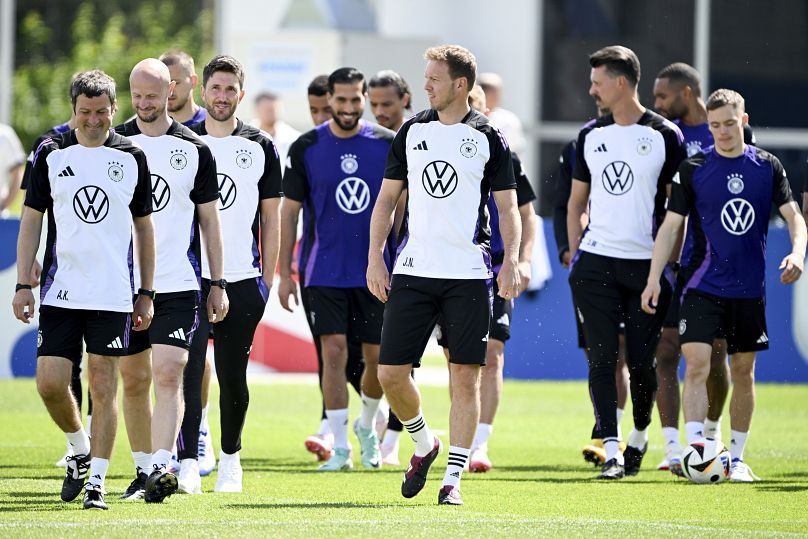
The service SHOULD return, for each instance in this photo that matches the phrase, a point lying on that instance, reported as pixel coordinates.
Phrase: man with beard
(181, 105)
(184, 195)
(249, 176)
(335, 172)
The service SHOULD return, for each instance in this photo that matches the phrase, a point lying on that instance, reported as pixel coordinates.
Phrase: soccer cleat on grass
(594, 452)
(189, 481)
(137, 488)
(415, 476)
(369, 447)
(78, 466)
(611, 469)
(160, 485)
(94, 499)
(633, 459)
(62, 462)
(741, 473)
(230, 473)
(321, 445)
(449, 496)
(390, 454)
(675, 466)
(479, 461)
(205, 455)
(340, 461)
(664, 465)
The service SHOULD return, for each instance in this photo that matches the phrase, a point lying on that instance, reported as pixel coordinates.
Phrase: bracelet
(22, 287)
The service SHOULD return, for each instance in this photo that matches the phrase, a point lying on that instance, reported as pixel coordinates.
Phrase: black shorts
(353, 312)
(742, 322)
(176, 317)
(500, 326)
(413, 307)
(61, 331)
(672, 314)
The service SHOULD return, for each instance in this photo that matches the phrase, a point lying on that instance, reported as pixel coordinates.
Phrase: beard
(150, 117)
(177, 104)
(346, 126)
(219, 115)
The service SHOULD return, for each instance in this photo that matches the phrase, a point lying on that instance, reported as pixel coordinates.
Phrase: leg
(621, 378)
(136, 375)
(169, 363)
(694, 395)
(491, 380)
(370, 377)
(355, 365)
(667, 356)
(53, 384)
(193, 382)
(103, 375)
(742, 403)
(465, 409)
(718, 380)
(335, 357)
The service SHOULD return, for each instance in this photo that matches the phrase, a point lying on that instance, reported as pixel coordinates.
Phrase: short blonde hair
(461, 61)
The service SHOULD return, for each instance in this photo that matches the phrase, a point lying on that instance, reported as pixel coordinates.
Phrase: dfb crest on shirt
(735, 183)
(353, 195)
(227, 191)
(692, 147)
(178, 159)
(682, 326)
(115, 171)
(617, 178)
(161, 193)
(244, 158)
(644, 146)
(468, 148)
(439, 179)
(737, 216)
(91, 204)
(348, 163)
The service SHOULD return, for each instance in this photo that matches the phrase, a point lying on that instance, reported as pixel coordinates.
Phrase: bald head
(150, 84)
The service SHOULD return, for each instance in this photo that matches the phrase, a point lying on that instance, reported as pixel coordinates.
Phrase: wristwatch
(221, 283)
(148, 293)
(22, 287)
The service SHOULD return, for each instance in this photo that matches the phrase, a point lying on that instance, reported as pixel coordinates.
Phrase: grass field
(540, 486)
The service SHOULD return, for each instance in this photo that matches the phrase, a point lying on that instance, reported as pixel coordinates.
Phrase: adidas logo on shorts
(178, 334)
(116, 344)
(763, 339)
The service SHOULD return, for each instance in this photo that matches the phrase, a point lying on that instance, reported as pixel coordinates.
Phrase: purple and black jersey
(698, 137)
(337, 181)
(524, 195)
(199, 116)
(728, 200)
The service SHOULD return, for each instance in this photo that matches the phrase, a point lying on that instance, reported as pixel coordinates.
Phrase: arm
(401, 210)
(805, 206)
(290, 211)
(528, 219)
(218, 302)
(663, 247)
(576, 206)
(27, 246)
(792, 265)
(510, 228)
(380, 223)
(270, 237)
(561, 195)
(144, 239)
(14, 181)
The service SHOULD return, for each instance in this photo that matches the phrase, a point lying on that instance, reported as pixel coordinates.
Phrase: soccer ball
(706, 461)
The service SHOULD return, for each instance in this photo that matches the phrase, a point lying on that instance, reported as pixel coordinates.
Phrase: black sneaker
(160, 485)
(449, 496)
(94, 499)
(137, 488)
(78, 466)
(415, 476)
(611, 470)
(633, 458)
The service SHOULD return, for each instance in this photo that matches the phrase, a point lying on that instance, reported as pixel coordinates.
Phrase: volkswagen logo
(91, 204)
(353, 195)
(227, 191)
(161, 193)
(617, 178)
(737, 216)
(439, 179)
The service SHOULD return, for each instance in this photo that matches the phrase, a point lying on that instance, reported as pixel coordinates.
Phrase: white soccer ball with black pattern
(706, 461)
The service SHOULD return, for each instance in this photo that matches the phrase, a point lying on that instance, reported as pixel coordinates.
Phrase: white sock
(142, 462)
(694, 430)
(638, 438)
(481, 435)
(420, 434)
(338, 421)
(712, 429)
(325, 428)
(612, 448)
(454, 469)
(203, 423)
(229, 459)
(671, 436)
(620, 412)
(89, 423)
(159, 459)
(369, 408)
(737, 444)
(98, 473)
(80, 442)
(391, 438)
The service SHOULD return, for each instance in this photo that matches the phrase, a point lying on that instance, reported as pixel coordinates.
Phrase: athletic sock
(481, 435)
(369, 408)
(737, 444)
(203, 420)
(612, 448)
(694, 430)
(712, 429)
(619, 419)
(420, 434)
(338, 421)
(160, 459)
(98, 473)
(671, 435)
(80, 442)
(454, 469)
(142, 462)
(390, 438)
(325, 428)
(89, 423)
(638, 438)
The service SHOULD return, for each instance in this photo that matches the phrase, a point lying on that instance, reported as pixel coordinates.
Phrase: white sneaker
(61, 463)
(189, 480)
(230, 473)
(205, 453)
(479, 461)
(173, 465)
(390, 454)
(741, 473)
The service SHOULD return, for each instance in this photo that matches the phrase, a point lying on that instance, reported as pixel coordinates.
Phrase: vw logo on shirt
(617, 178)
(737, 216)
(161, 193)
(439, 179)
(91, 204)
(227, 191)
(353, 195)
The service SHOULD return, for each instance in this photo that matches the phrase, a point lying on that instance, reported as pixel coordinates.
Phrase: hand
(36, 273)
(378, 278)
(508, 280)
(792, 267)
(218, 304)
(23, 305)
(565, 259)
(650, 297)
(143, 313)
(287, 287)
(524, 276)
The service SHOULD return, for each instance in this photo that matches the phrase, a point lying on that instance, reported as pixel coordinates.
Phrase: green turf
(539, 486)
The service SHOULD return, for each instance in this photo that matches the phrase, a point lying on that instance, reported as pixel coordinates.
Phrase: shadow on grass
(14, 506)
(544, 468)
(313, 505)
(782, 488)
(295, 466)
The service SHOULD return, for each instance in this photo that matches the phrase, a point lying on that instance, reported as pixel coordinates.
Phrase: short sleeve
(524, 191)
(295, 177)
(270, 184)
(682, 194)
(781, 189)
(581, 168)
(675, 153)
(141, 204)
(38, 192)
(396, 167)
(499, 168)
(206, 185)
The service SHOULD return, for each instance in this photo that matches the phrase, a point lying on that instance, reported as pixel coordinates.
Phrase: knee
(168, 374)
(136, 382)
(667, 352)
(390, 378)
(743, 373)
(697, 370)
(335, 351)
(50, 388)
